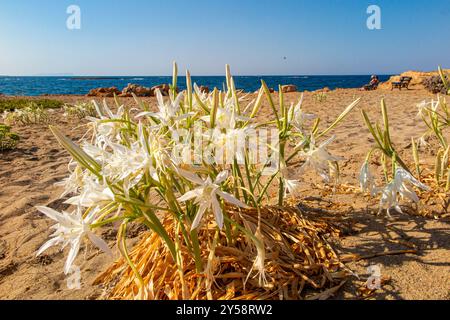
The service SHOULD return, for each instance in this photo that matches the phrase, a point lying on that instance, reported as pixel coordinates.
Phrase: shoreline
(324, 89)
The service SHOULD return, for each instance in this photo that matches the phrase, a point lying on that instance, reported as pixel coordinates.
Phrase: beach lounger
(403, 83)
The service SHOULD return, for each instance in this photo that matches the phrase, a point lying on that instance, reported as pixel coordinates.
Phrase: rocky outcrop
(104, 92)
(289, 88)
(417, 79)
(138, 90)
(129, 90)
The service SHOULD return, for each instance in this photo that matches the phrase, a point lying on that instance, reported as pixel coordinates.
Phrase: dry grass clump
(298, 257)
(436, 200)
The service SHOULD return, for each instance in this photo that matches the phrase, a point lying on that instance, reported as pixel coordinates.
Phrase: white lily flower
(297, 117)
(422, 106)
(398, 186)
(292, 187)
(319, 159)
(167, 112)
(367, 181)
(74, 182)
(206, 196)
(104, 129)
(97, 153)
(70, 230)
(204, 97)
(233, 142)
(226, 118)
(92, 194)
(125, 161)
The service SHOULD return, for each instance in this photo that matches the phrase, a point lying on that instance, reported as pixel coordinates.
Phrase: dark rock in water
(138, 90)
(104, 92)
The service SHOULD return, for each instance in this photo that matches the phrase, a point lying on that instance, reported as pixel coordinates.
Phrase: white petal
(199, 215)
(49, 212)
(327, 142)
(218, 215)
(73, 201)
(50, 243)
(190, 195)
(99, 243)
(144, 114)
(229, 198)
(160, 99)
(74, 248)
(405, 192)
(109, 194)
(190, 176)
(177, 100)
(221, 177)
(398, 209)
(55, 215)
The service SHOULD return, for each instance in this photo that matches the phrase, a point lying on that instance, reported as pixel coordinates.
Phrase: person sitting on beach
(373, 84)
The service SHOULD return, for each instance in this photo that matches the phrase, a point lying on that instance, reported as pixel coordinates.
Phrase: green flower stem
(122, 245)
(197, 251)
(272, 105)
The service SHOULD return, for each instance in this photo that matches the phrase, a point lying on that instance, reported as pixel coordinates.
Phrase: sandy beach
(28, 175)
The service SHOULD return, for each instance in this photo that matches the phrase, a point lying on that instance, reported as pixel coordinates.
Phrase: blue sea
(35, 86)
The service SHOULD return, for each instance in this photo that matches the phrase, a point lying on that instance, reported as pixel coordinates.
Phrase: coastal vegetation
(8, 139)
(32, 113)
(79, 110)
(11, 104)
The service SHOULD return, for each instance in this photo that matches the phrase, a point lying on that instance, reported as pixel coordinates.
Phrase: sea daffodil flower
(398, 186)
(70, 230)
(319, 159)
(206, 196)
(167, 112)
(367, 181)
(296, 116)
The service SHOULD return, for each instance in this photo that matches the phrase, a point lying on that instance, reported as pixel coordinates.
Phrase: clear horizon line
(212, 75)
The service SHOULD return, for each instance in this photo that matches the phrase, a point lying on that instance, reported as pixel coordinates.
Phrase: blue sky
(143, 37)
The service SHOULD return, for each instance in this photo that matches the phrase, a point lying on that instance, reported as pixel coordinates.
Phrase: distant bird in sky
(284, 58)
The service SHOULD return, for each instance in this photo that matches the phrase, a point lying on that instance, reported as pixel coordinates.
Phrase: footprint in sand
(353, 134)
(20, 183)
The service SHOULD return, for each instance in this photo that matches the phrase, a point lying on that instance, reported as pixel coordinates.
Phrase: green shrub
(320, 97)
(8, 104)
(8, 139)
